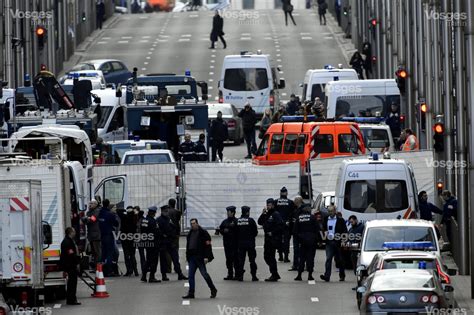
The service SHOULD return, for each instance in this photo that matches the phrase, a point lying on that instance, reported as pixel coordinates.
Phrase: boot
(143, 279)
(182, 277)
(213, 293)
(229, 277)
(310, 276)
(154, 280)
(135, 271)
(164, 277)
(189, 296)
(298, 277)
(286, 259)
(273, 278)
(280, 257)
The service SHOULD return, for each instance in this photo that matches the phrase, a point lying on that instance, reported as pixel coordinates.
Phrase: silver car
(231, 116)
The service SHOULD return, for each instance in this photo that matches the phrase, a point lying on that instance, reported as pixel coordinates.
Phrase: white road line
(152, 48)
(186, 302)
(306, 38)
(184, 40)
(245, 38)
(105, 37)
(278, 55)
(216, 98)
(194, 16)
(246, 34)
(278, 60)
(123, 42)
(148, 57)
(186, 284)
(280, 66)
(328, 37)
(145, 63)
(213, 56)
(211, 67)
(211, 73)
(146, 36)
(213, 61)
(150, 52)
(267, 38)
(277, 49)
(144, 41)
(305, 34)
(162, 40)
(210, 80)
(186, 35)
(284, 94)
(312, 282)
(143, 69)
(210, 88)
(101, 43)
(166, 36)
(277, 46)
(126, 37)
(314, 299)
(281, 72)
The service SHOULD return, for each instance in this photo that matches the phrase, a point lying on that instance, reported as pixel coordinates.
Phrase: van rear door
(360, 189)
(392, 190)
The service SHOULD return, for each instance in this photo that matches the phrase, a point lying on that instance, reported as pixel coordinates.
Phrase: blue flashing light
(136, 138)
(187, 72)
(375, 156)
(424, 245)
(422, 265)
(329, 67)
(76, 75)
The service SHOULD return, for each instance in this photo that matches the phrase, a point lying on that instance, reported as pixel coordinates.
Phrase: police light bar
(329, 67)
(72, 75)
(364, 120)
(425, 245)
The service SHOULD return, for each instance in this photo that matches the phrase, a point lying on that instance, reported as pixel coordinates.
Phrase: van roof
(305, 126)
(381, 160)
(370, 82)
(409, 222)
(253, 56)
(152, 151)
(311, 71)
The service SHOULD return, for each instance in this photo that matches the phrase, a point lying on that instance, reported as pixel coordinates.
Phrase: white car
(148, 157)
(95, 76)
(377, 137)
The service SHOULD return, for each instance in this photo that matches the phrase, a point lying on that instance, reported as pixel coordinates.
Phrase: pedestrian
(246, 233)
(427, 208)
(334, 230)
(102, 159)
(228, 229)
(299, 205)
(186, 149)
(409, 140)
(273, 226)
(175, 216)
(217, 30)
(198, 254)
(219, 133)
(322, 7)
(128, 227)
(249, 119)
(285, 207)
(292, 107)
(91, 220)
(288, 9)
(167, 236)
(107, 223)
(150, 227)
(357, 63)
(278, 116)
(200, 149)
(337, 7)
(69, 261)
(318, 109)
(367, 52)
(392, 119)
(306, 229)
(450, 210)
(100, 13)
(355, 236)
(99, 146)
(142, 243)
(265, 123)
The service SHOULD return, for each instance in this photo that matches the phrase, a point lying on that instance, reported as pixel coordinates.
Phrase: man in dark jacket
(249, 119)
(128, 227)
(91, 219)
(285, 207)
(217, 30)
(175, 216)
(278, 116)
(149, 227)
(108, 222)
(168, 234)
(427, 208)
(298, 208)
(246, 233)
(200, 149)
(292, 107)
(100, 8)
(198, 254)
(393, 121)
(219, 133)
(186, 150)
(228, 229)
(334, 231)
(450, 210)
(355, 236)
(307, 231)
(273, 226)
(69, 262)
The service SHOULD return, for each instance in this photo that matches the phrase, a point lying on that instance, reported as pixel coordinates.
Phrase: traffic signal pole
(9, 70)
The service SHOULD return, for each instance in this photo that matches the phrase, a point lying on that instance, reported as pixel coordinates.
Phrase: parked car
(408, 260)
(402, 291)
(116, 149)
(148, 157)
(377, 137)
(95, 76)
(115, 71)
(231, 116)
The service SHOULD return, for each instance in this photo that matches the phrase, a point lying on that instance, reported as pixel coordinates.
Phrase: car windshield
(246, 79)
(409, 263)
(224, 109)
(364, 105)
(104, 116)
(378, 238)
(375, 138)
(398, 280)
(147, 158)
(83, 66)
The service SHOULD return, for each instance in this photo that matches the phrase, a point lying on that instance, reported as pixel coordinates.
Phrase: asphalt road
(130, 296)
(174, 42)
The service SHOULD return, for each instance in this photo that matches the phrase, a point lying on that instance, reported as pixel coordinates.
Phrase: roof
(381, 160)
(96, 62)
(374, 126)
(152, 151)
(162, 78)
(408, 254)
(407, 272)
(137, 143)
(411, 222)
(330, 70)
(307, 126)
(361, 82)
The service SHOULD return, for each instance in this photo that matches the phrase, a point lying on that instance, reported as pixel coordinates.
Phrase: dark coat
(69, 259)
(107, 222)
(307, 229)
(186, 151)
(167, 229)
(246, 232)
(219, 131)
(148, 225)
(285, 207)
(128, 221)
(355, 233)
(204, 245)
(175, 216)
(287, 6)
(217, 27)
(450, 209)
(228, 229)
(92, 221)
(200, 151)
(340, 229)
(273, 226)
(427, 209)
(393, 121)
(249, 119)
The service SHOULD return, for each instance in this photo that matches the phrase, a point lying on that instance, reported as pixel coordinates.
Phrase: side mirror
(361, 271)
(301, 85)
(361, 290)
(452, 272)
(47, 234)
(282, 84)
(448, 288)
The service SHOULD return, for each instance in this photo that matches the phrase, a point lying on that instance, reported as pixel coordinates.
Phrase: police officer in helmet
(246, 234)
(228, 231)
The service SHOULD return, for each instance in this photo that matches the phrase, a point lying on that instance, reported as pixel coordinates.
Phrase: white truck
(21, 242)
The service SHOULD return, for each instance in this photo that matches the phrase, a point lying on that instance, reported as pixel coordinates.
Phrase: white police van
(250, 77)
(315, 81)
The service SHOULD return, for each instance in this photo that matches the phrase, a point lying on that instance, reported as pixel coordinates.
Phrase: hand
(206, 260)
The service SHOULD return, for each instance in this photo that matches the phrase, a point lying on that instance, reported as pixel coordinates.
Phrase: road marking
(186, 284)
(145, 63)
(148, 57)
(143, 69)
(213, 61)
(166, 36)
(162, 40)
(277, 49)
(186, 35)
(281, 72)
(152, 48)
(211, 73)
(216, 98)
(183, 40)
(302, 34)
(146, 17)
(278, 60)
(284, 94)
(57, 306)
(277, 46)
(105, 37)
(123, 42)
(306, 38)
(314, 299)
(278, 55)
(186, 302)
(146, 36)
(211, 67)
(101, 43)
(194, 16)
(312, 282)
(245, 34)
(210, 88)
(280, 66)
(126, 37)
(328, 37)
(150, 52)
(211, 80)
(213, 56)
(268, 38)
(245, 38)
(144, 41)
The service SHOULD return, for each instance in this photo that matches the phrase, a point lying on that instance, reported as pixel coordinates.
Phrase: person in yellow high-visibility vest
(411, 141)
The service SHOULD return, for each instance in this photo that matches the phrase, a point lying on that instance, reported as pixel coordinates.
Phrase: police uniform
(286, 208)
(450, 209)
(273, 226)
(229, 233)
(69, 260)
(246, 234)
(186, 151)
(148, 226)
(200, 151)
(307, 231)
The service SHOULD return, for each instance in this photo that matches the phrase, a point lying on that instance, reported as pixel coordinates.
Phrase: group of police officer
(193, 151)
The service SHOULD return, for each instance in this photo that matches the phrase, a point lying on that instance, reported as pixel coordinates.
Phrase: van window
(246, 79)
(117, 121)
(301, 143)
(156, 158)
(303, 96)
(277, 143)
(290, 143)
(377, 236)
(376, 196)
(317, 90)
(323, 143)
(263, 148)
(375, 138)
(347, 143)
(364, 105)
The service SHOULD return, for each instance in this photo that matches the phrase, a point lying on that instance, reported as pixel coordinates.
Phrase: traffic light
(373, 22)
(439, 186)
(402, 75)
(83, 16)
(438, 136)
(422, 112)
(40, 34)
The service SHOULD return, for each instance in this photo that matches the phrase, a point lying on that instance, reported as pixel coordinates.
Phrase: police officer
(285, 207)
(450, 210)
(355, 236)
(246, 234)
(186, 149)
(168, 234)
(299, 205)
(273, 226)
(69, 261)
(149, 227)
(229, 233)
(200, 149)
(307, 231)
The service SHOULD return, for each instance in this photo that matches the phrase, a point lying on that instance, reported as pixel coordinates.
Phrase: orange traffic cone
(100, 289)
